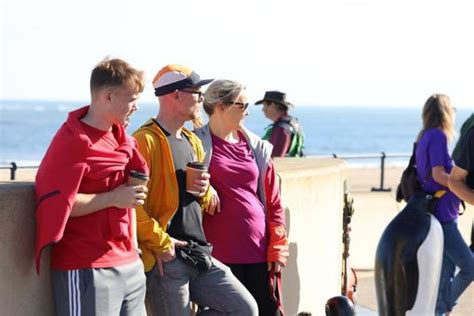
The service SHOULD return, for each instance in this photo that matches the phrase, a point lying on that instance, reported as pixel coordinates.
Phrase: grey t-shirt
(186, 223)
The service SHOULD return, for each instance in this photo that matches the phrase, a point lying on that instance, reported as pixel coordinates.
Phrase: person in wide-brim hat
(285, 133)
(277, 97)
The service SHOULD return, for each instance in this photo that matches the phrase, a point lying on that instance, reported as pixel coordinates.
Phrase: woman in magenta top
(246, 222)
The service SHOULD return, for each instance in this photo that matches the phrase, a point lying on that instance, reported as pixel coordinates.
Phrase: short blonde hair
(115, 73)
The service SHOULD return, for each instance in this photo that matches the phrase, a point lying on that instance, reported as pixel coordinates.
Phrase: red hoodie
(73, 164)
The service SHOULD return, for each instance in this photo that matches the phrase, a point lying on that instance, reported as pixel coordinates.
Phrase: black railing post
(382, 169)
(13, 170)
(382, 174)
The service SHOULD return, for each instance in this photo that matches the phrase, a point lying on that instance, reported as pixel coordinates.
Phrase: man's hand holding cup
(138, 181)
(197, 178)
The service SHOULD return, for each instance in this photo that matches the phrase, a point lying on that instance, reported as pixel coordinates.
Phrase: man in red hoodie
(84, 207)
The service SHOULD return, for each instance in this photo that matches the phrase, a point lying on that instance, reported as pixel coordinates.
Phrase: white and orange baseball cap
(176, 77)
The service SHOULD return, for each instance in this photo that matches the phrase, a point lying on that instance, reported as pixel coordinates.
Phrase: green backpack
(293, 126)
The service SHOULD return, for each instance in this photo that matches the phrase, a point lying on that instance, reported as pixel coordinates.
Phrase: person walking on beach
(246, 225)
(434, 166)
(175, 252)
(285, 133)
(84, 207)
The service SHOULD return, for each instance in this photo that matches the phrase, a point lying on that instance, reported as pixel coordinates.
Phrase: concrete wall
(311, 189)
(22, 291)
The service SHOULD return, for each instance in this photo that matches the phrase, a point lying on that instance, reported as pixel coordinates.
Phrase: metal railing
(382, 157)
(14, 167)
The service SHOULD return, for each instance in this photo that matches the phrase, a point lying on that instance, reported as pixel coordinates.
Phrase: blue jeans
(456, 254)
(217, 289)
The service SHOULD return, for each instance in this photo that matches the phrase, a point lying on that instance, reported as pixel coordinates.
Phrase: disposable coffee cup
(194, 170)
(137, 178)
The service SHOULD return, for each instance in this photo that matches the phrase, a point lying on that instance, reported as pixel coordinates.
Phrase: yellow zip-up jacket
(162, 199)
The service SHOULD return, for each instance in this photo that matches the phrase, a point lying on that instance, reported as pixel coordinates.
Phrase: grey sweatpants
(96, 292)
(218, 289)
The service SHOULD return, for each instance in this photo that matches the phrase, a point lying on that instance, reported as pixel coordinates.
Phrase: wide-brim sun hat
(275, 96)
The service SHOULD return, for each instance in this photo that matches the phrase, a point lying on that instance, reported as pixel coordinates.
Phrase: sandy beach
(373, 211)
(27, 174)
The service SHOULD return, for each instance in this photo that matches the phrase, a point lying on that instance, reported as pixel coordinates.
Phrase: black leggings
(254, 276)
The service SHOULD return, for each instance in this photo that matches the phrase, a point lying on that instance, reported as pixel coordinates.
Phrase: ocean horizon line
(153, 102)
(28, 126)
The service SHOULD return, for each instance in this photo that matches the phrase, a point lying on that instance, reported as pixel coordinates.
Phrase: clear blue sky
(367, 52)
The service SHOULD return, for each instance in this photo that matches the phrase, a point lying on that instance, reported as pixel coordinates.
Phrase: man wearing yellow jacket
(175, 252)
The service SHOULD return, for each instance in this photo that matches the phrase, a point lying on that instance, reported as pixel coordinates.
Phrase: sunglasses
(200, 94)
(242, 106)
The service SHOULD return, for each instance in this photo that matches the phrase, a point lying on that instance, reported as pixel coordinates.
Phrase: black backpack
(408, 183)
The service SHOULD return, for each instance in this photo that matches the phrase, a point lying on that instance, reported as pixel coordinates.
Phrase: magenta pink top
(238, 233)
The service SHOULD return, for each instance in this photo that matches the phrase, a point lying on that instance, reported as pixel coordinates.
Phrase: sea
(358, 134)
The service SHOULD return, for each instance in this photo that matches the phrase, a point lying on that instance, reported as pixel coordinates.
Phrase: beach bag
(408, 183)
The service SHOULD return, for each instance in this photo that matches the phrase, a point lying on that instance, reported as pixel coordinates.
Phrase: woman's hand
(214, 203)
(277, 266)
(440, 175)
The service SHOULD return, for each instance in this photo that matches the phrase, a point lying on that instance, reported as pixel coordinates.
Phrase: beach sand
(373, 211)
(26, 174)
